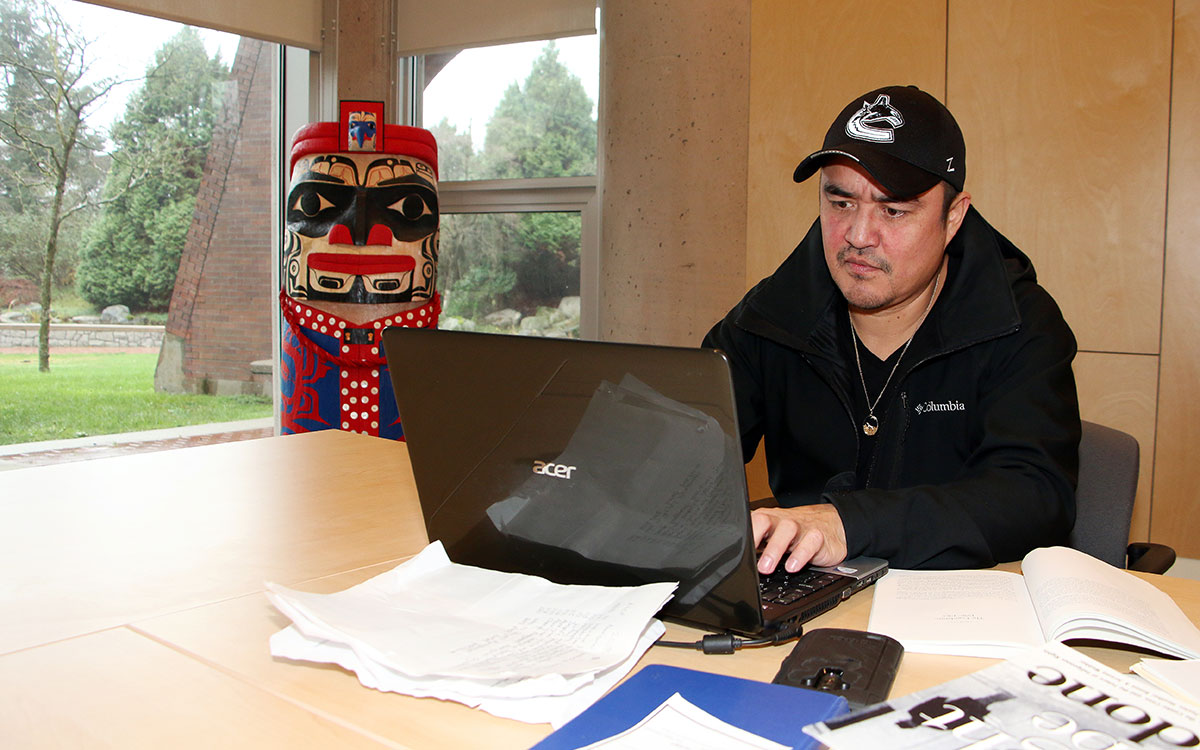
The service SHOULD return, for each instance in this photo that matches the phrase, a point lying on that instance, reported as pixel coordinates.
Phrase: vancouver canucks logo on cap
(875, 122)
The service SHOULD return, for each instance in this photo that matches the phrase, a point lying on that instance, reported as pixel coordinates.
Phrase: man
(909, 379)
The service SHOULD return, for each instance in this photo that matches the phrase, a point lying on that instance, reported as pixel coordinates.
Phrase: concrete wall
(674, 126)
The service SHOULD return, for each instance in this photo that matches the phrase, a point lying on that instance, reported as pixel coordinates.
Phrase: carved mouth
(361, 265)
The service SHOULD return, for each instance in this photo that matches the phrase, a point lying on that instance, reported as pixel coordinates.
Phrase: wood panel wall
(807, 60)
(1174, 518)
(1065, 107)
(1079, 117)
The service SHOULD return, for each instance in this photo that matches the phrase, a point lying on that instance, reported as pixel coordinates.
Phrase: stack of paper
(514, 645)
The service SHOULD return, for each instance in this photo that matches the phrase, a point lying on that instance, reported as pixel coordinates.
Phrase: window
(516, 131)
(166, 206)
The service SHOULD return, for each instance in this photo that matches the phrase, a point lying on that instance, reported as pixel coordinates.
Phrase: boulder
(569, 307)
(534, 324)
(507, 318)
(451, 323)
(115, 314)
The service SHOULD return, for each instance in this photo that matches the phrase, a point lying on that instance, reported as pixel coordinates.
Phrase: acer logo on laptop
(561, 471)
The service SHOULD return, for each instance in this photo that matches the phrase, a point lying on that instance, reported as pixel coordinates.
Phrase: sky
(466, 91)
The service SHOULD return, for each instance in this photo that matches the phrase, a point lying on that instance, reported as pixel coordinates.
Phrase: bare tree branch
(53, 131)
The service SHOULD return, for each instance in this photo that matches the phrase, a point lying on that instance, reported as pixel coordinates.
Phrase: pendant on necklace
(871, 426)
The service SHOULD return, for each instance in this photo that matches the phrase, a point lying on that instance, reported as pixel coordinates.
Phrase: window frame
(532, 195)
(541, 195)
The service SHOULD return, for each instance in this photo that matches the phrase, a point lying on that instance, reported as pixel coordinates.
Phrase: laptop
(590, 462)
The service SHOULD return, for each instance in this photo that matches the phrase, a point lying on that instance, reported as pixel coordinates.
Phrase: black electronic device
(855, 664)
(600, 463)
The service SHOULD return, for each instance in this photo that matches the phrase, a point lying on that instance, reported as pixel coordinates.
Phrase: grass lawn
(100, 394)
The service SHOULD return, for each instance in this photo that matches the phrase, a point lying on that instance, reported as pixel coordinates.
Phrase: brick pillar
(220, 314)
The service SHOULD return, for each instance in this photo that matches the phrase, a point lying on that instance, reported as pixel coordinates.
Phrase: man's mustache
(866, 259)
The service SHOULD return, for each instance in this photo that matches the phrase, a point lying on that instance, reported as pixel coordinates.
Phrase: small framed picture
(361, 126)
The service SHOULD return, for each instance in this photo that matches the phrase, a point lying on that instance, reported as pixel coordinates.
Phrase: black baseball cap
(906, 139)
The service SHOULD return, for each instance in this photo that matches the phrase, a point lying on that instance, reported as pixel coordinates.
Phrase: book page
(1077, 596)
(959, 612)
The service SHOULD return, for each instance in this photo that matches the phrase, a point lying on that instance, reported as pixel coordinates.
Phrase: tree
(43, 129)
(544, 128)
(133, 251)
(470, 282)
(456, 153)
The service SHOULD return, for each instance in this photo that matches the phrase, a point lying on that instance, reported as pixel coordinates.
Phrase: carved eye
(311, 203)
(411, 207)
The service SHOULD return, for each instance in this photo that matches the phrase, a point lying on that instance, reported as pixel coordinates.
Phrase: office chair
(1108, 475)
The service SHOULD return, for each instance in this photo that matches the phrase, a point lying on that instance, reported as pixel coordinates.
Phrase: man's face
(362, 228)
(882, 253)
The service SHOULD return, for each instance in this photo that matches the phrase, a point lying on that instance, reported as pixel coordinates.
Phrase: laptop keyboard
(782, 587)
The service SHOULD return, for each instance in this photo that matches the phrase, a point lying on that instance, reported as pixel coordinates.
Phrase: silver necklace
(871, 424)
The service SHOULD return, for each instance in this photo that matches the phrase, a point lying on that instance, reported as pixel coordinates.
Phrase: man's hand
(813, 533)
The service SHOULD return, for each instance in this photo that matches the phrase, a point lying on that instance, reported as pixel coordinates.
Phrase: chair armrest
(1148, 557)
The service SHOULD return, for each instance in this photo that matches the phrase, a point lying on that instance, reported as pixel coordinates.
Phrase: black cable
(727, 643)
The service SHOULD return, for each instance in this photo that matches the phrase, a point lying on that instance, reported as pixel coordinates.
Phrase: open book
(1064, 595)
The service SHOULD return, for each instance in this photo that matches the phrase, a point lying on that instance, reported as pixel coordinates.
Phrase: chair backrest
(1108, 476)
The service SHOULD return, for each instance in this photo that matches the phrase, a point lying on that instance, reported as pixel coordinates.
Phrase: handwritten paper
(514, 645)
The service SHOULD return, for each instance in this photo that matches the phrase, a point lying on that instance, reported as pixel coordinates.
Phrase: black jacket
(977, 453)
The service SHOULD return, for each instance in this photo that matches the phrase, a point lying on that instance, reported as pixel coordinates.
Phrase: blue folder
(777, 712)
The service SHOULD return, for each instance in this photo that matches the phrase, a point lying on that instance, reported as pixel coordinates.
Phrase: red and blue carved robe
(333, 372)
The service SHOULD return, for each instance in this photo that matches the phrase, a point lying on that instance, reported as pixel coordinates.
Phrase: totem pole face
(361, 228)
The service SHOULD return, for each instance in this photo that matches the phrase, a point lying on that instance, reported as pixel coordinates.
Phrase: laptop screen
(582, 462)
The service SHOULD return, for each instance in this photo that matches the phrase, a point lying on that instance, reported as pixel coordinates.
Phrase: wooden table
(132, 612)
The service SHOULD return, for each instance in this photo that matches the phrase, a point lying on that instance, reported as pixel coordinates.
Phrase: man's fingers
(760, 524)
(778, 533)
(809, 544)
(809, 533)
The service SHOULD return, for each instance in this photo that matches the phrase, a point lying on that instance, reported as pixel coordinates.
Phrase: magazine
(1053, 697)
(1063, 595)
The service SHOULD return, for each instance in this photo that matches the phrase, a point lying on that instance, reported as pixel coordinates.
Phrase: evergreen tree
(543, 129)
(19, 193)
(133, 251)
(468, 277)
(456, 153)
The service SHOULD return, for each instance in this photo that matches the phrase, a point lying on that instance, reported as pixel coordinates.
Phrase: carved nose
(340, 235)
(379, 235)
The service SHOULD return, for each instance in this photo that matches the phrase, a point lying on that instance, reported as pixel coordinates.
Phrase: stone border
(76, 335)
